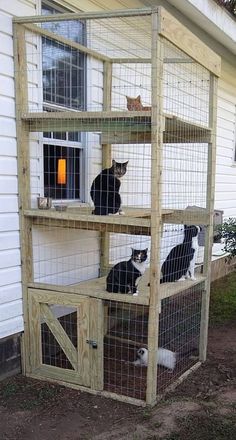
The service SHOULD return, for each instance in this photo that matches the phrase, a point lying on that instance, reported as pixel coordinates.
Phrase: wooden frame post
(210, 210)
(156, 161)
(21, 93)
(106, 161)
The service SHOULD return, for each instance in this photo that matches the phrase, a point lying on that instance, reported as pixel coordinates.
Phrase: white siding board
(7, 126)
(6, 22)
(6, 64)
(6, 44)
(8, 185)
(9, 222)
(9, 240)
(8, 146)
(10, 293)
(8, 166)
(9, 258)
(10, 276)
(11, 310)
(7, 106)
(8, 204)
(11, 326)
(7, 86)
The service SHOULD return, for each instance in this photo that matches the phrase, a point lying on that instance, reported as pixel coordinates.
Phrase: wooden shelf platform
(136, 221)
(96, 288)
(118, 126)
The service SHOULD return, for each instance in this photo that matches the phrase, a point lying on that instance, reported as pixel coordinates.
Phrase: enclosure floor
(123, 377)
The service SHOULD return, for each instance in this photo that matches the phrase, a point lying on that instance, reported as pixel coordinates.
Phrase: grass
(205, 427)
(223, 300)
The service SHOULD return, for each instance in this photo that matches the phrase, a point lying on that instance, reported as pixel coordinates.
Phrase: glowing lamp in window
(61, 172)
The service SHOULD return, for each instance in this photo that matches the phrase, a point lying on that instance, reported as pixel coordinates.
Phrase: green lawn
(223, 300)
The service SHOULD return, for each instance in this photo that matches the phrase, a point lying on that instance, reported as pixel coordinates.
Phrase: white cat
(166, 358)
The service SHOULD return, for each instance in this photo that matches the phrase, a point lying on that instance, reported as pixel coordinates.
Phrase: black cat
(105, 189)
(180, 262)
(123, 276)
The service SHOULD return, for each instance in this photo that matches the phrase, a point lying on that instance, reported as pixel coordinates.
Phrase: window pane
(71, 188)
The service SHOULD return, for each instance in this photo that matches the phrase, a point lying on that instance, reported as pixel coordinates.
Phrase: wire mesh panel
(126, 329)
(52, 352)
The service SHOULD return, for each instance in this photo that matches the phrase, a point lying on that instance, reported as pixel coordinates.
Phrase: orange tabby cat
(135, 104)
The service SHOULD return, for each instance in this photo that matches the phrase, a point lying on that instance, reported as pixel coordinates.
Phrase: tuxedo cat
(180, 262)
(135, 104)
(122, 278)
(105, 189)
(165, 358)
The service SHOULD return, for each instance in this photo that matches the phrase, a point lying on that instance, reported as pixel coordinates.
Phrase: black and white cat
(123, 277)
(166, 358)
(105, 189)
(180, 262)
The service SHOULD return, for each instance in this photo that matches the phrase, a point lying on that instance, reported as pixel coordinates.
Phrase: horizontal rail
(117, 13)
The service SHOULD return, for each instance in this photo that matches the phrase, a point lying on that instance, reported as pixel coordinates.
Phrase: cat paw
(116, 213)
(181, 279)
(121, 212)
(136, 293)
(193, 278)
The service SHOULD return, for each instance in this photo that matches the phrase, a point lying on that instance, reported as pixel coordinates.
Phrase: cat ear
(139, 98)
(126, 163)
(146, 249)
(113, 162)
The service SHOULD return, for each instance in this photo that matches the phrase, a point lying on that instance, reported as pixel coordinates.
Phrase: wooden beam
(106, 162)
(210, 208)
(156, 214)
(35, 351)
(116, 13)
(70, 43)
(96, 332)
(96, 289)
(184, 39)
(59, 378)
(23, 166)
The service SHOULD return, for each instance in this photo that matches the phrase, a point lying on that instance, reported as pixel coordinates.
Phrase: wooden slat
(60, 335)
(211, 169)
(55, 296)
(185, 40)
(23, 166)
(83, 319)
(58, 378)
(106, 161)
(156, 212)
(57, 374)
(118, 126)
(96, 288)
(96, 332)
(35, 351)
(116, 13)
(65, 41)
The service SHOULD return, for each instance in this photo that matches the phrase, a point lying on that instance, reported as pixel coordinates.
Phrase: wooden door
(66, 337)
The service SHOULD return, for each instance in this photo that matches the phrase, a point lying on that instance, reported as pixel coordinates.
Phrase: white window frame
(66, 143)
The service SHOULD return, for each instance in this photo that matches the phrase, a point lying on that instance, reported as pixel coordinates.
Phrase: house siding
(11, 320)
(225, 189)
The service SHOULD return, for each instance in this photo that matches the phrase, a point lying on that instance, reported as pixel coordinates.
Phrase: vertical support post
(156, 219)
(106, 160)
(21, 94)
(210, 210)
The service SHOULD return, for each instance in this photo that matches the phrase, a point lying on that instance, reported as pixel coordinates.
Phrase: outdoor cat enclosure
(73, 73)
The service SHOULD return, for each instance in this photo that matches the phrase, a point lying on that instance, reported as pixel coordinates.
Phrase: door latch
(92, 343)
